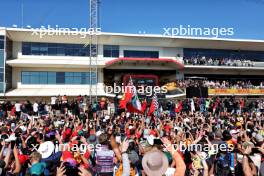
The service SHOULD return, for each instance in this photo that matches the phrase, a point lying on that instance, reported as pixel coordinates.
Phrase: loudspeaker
(199, 92)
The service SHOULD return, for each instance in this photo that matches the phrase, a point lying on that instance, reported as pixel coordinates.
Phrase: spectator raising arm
(17, 163)
(125, 160)
(7, 157)
(115, 147)
(245, 163)
(179, 162)
(2, 150)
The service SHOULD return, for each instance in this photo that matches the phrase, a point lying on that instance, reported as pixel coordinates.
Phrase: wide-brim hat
(155, 163)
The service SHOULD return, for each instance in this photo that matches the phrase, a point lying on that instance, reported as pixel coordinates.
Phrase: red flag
(127, 96)
(178, 107)
(154, 105)
(122, 103)
(131, 108)
(144, 105)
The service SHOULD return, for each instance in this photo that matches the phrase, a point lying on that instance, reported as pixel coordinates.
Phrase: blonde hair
(35, 156)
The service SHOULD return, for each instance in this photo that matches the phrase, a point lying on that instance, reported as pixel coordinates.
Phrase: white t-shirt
(170, 171)
(46, 107)
(35, 107)
(18, 107)
(53, 100)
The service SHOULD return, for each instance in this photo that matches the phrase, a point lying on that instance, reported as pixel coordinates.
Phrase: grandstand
(51, 65)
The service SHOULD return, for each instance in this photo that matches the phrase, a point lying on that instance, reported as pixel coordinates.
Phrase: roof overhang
(157, 40)
(151, 63)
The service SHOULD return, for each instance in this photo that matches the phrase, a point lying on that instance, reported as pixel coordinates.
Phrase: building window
(2, 41)
(60, 78)
(2, 59)
(111, 51)
(51, 77)
(2, 63)
(54, 49)
(141, 54)
(57, 78)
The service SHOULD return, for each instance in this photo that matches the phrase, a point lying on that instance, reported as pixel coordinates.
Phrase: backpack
(222, 165)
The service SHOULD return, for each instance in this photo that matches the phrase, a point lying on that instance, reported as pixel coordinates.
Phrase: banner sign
(236, 91)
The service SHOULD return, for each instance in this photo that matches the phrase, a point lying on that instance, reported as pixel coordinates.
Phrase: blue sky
(132, 16)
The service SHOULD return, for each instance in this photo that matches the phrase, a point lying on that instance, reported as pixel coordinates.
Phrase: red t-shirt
(167, 128)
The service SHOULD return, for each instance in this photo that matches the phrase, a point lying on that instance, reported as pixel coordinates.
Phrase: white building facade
(52, 65)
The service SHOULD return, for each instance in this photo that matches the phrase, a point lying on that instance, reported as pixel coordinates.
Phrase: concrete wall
(2, 31)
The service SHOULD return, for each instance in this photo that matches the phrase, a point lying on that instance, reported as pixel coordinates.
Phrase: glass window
(35, 50)
(51, 77)
(1, 77)
(111, 51)
(93, 78)
(25, 77)
(73, 78)
(1, 87)
(34, 78)
(2, 39)
(43, 77)
(43, 49)
(77, 78)
(141, 54)
(57, 78)
(2, 60)
(54, 49)
(85, 78)
(26, 48)
(60, 51)
(69, 78)
(60, 77)
(2, 46)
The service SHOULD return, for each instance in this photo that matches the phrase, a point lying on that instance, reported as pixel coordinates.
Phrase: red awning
(145, 61)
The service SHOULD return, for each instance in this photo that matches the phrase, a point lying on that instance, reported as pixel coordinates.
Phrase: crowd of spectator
(48, 138)
(219, 84)
(218, 62)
